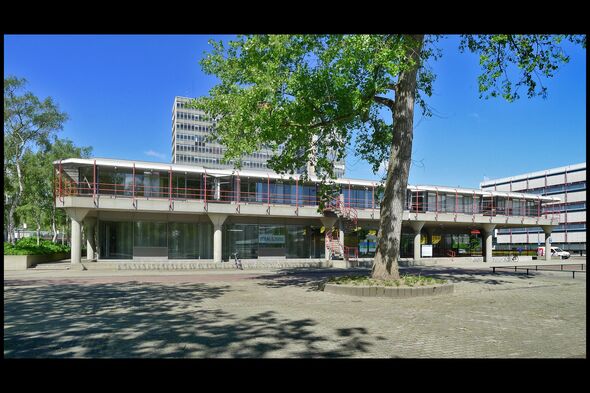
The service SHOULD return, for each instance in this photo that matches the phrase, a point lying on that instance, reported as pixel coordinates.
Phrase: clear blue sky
(119, 91)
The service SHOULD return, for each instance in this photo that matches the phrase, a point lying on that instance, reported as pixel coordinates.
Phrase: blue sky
(119, 91)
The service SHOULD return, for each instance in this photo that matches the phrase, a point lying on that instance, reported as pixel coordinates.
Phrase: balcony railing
(209, 194)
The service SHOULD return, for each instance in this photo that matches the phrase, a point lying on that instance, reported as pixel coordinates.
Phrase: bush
(28, 246)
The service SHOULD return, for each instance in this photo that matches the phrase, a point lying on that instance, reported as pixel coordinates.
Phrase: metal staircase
(349, 218)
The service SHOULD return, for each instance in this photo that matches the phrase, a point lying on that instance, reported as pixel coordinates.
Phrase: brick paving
(284, 314)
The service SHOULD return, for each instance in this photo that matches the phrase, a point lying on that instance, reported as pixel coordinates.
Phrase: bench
(536, 265)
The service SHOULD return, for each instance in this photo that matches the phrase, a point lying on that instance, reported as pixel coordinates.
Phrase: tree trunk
(11, 225)
(38, 233)
(53, 227)
(385, 264)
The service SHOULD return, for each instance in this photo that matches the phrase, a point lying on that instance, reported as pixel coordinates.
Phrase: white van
(555, 252)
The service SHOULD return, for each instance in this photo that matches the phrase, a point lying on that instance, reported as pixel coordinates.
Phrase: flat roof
(529, 175)
(147, 165)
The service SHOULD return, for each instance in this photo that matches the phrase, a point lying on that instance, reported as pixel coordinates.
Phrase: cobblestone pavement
(283, 314)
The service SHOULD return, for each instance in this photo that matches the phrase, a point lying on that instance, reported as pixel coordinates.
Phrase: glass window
(116, 240)
(271, 240)
(240, 238)
(298, 241)
(150, 234)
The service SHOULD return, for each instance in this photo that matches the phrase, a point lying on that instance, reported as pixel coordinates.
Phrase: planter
(23, 262)
(393, 292)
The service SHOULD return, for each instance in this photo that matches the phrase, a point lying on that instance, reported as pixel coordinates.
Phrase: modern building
(192, 145)
(568, 183)
(144, 210)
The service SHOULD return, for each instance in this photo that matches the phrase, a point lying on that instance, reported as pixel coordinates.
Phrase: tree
(307, 95)
(60, 149)
(28, 124)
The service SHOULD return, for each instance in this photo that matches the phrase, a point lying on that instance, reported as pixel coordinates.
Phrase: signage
(427, 250)
(271, 239)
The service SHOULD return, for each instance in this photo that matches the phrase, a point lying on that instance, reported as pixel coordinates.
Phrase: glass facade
(116, 240)
(190, 240)
(124, 240)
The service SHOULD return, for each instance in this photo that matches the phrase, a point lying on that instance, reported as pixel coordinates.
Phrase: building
(568, 183)
(144, 210)
(191, 146)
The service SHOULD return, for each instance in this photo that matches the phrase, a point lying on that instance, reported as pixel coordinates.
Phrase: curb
(392, 292)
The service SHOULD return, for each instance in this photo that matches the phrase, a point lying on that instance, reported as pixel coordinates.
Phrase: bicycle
(237, 261)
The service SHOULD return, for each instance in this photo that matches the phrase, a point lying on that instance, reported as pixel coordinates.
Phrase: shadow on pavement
(313, 280)
(131, 320)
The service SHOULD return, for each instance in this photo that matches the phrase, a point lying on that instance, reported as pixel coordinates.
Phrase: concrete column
(89, 227)
(217, 220)
(76, 242)
(417, 227)
(547, 230)
(341, 236)
(77, 215)
(488, 232)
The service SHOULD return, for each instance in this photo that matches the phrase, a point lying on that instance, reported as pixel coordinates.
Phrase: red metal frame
(170, 188)
(205, 188)
(349, 194)
(132, 186)
(60, 169)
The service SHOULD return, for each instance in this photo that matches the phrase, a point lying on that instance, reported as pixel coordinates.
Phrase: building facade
(191, 146)
(143, 210)
(568, 183)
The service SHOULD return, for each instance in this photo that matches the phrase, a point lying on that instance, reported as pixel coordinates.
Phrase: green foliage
(28, 246)
(405, 280)
(305, 95)
(530, 57)
(30, 147)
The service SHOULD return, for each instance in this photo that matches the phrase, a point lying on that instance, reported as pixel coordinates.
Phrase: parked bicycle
(237, 261)
(511, 258)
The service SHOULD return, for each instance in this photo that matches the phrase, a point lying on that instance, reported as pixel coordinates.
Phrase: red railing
(347, 206)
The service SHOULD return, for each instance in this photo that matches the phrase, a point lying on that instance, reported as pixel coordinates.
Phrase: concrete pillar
(341, 235)
(417, 227)
(89, 227)
(488, 232)
(77, 215)
(76, 242)
(547, 230)
(217, 220)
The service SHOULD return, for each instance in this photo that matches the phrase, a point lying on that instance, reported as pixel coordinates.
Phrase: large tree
(308, 94)
(38, 205)
(29, 124)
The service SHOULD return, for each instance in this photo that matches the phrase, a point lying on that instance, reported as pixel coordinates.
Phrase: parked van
(555, 252)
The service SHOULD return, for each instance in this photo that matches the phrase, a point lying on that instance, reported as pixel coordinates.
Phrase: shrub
(28, 246)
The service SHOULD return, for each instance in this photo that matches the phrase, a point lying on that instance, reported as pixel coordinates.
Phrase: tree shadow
(312, 280)
(132, 320)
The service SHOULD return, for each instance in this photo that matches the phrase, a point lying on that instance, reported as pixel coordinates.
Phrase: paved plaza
(270, 314)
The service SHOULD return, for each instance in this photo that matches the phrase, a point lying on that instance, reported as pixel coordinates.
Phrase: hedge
(28, 246)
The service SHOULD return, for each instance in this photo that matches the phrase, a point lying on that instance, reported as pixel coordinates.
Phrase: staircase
(349, 218)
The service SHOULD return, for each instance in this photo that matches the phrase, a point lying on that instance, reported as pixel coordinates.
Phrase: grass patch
(405, 280)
